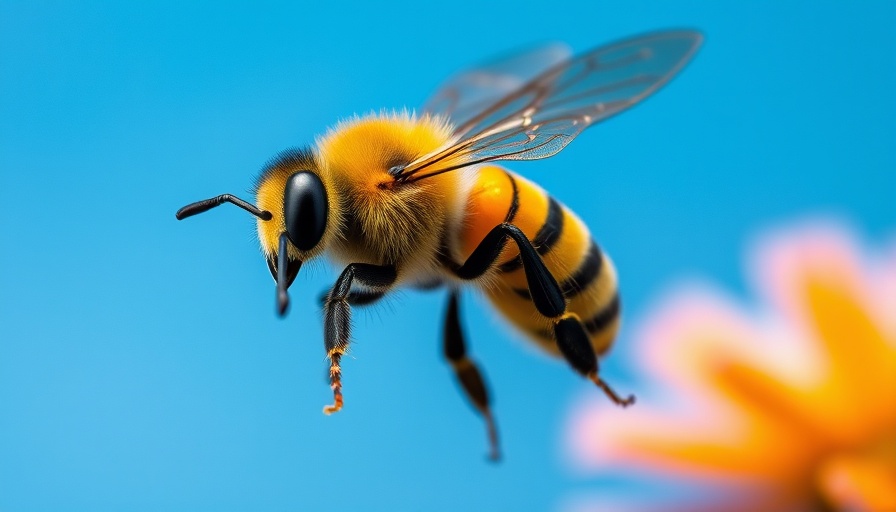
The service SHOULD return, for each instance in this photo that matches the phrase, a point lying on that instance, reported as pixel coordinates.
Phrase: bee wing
(540, 118)
(472, 92)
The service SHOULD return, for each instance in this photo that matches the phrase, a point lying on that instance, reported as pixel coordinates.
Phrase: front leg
(337, 316)
(356, 297)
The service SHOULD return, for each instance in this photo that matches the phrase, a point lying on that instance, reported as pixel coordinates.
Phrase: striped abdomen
(585, 274)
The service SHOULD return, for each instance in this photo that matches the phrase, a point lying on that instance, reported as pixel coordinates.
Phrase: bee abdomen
(586, 276)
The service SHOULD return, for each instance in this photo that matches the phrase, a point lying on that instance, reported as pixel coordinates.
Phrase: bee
(416, 200)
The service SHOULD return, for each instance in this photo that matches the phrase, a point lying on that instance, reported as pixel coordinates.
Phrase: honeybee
(402, 199)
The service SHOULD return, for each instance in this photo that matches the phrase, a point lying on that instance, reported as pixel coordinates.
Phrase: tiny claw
(622, 402)
(336, 407)
(492, 431)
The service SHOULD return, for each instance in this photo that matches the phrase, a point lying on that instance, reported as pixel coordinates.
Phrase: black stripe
(604, 317)
(597, 323)
(550, 232)
(588, 271)
(515, 201)
(546, 237)
(515, 263)
(511, 265)
(586, 274)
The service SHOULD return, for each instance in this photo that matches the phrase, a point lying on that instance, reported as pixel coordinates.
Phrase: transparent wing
(540, 118)
(468, 94)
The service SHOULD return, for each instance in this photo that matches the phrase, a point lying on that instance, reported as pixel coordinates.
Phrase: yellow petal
(762, 396)
(858, 397)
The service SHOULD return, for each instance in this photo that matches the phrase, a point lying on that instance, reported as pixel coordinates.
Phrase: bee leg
(337, 316)
(357, 297)
(546, 293)
(572, 339)
(547, 296)
(467, 373)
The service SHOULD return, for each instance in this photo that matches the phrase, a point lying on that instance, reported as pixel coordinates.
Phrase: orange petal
(854, 482)
(711, 439)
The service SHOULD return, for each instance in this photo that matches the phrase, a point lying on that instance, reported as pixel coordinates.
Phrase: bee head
(293, 211)
(305, 218)
(292, 189)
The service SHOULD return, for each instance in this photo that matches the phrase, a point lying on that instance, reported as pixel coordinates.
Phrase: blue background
(141, 364)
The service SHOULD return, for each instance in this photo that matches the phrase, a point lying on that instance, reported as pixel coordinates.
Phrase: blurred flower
(789, 406)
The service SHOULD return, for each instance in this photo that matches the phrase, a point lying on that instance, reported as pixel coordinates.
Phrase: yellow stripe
(487, 205)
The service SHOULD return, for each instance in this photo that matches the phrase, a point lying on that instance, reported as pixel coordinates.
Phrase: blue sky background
(141, 364)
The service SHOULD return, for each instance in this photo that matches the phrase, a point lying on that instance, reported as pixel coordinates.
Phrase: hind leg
(547, 296)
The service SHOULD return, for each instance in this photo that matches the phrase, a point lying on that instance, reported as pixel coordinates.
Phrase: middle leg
(466, 371)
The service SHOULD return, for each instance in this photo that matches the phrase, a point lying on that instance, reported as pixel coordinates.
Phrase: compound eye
(305, 210)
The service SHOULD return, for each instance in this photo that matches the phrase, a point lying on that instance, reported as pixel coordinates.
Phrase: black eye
(305, 209)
